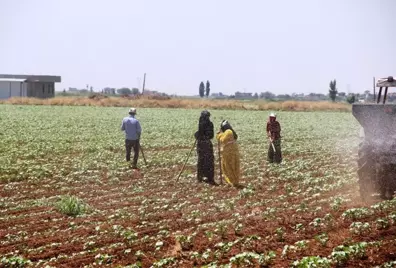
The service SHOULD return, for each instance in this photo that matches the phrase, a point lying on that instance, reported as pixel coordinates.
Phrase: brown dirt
(118, 204)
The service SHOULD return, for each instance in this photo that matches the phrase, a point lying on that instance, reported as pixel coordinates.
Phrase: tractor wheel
(366, 170)
(386, 180)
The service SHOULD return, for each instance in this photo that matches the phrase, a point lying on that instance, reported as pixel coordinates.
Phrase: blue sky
(253, 45)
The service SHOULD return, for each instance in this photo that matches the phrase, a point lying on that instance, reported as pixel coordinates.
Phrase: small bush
(71, 206)
(351, 99)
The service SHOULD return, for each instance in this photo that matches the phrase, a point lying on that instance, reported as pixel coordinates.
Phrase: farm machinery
(377, 150)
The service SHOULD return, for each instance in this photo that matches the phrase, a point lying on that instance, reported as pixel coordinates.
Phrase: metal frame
(385, 83)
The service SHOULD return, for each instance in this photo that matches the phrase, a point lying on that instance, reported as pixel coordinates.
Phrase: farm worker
(230, 162)
(273, 133)
(205, 166)
(133, 130)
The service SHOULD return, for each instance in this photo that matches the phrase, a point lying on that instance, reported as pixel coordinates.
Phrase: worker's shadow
(240, 186)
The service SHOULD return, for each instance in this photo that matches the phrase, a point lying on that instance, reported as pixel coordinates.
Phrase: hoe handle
(188, 156)
(272, 144)
(221, 173)
(144, 158)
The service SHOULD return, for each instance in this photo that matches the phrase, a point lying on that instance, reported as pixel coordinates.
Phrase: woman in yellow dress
(230, 162)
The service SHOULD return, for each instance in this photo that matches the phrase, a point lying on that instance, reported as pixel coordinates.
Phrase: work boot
(211, 182)
(134, 166)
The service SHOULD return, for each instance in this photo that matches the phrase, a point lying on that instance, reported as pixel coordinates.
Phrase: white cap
(132, 110)
(225, 122)
(272, 115)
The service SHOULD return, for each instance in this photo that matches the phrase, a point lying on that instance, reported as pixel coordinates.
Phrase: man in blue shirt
(132, 129)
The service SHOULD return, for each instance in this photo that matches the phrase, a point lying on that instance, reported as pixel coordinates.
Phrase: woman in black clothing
(205, 166)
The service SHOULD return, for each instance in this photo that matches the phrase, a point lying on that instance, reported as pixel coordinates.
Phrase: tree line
(333, 94)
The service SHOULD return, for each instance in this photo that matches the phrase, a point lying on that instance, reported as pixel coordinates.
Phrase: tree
(342, 94)
(333, 90)
(256, 96)
(124, 91)
(207, 88)
(201, 89)
(284, 96)
(267, 95)
(135, 91)
(351, 98)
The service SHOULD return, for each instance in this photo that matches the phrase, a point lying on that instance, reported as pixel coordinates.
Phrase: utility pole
(374, 87)
(144, 83)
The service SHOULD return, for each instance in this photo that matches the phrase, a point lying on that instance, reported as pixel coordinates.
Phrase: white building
(36, 86)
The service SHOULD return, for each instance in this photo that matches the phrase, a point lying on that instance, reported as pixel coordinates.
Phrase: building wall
(10, 89)
(41, 89)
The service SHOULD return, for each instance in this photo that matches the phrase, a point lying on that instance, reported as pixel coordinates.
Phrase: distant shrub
(351, 99)
(96, 96)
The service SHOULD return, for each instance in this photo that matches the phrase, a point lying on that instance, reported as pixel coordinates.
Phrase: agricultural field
(68, 199)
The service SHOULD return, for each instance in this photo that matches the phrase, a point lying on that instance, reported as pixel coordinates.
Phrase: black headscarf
(205, 127)
(226, 126)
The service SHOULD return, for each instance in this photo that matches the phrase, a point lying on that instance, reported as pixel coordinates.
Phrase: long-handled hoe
(144, 158)
(221, 174)
(188, 156)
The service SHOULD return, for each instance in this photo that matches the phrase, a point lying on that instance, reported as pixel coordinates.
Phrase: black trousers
(273, 156)
(135, 144)
(205, 165)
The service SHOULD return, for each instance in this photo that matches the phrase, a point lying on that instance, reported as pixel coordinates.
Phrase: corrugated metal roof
(12, 80)
(39, 78)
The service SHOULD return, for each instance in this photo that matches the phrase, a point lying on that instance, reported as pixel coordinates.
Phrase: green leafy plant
(103, 259)
(359, 228)
(71, 206)
(15, 262)
(221, 229)
(312, 261)
(164, 262)
(186, 241)
(279, 234)
(382, 223)
(341, 254)
(356, 213)
(249, 258)
(322, 239)
(390, 264)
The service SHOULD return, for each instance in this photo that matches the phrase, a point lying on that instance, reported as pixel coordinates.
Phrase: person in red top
(273, 133)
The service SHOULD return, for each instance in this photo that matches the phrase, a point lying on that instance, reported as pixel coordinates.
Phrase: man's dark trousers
(135, 144)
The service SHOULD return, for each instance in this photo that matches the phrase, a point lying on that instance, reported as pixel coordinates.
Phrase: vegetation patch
(305, 212)
(71, 206)
(185, 103)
